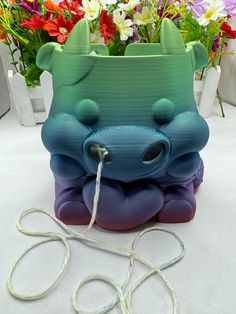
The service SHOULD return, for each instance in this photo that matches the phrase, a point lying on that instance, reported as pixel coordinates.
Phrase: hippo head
(138, 109)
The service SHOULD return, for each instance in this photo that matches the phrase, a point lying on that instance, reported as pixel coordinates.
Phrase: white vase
(5, 99)
(206, 90)
(227, 86)
(32, 103)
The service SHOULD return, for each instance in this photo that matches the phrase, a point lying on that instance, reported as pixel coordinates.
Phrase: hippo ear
(171, 40)
(200, 55)
(79, 39)
(44, 56)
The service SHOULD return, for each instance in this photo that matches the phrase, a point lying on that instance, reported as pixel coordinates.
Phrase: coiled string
(123, 293)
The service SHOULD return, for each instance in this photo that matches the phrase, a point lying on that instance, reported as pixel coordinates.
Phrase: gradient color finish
(140, 107)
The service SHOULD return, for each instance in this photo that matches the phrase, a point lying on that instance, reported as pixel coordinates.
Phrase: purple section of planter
(124, 206)
(69, 203)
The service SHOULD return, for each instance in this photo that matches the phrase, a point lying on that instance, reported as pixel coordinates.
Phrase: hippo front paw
(179, 206)
(124, 206)
(70, 208)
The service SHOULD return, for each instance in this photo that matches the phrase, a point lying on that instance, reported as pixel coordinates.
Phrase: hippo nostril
(153, 152)
(99, 153)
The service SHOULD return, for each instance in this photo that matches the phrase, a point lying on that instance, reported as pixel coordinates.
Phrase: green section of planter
(125, 88)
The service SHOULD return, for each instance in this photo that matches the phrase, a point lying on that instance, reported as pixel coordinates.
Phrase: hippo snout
(130, 152)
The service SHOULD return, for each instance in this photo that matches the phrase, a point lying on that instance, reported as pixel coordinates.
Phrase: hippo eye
(99, 152)
(153, 152)
(87, 111)
(163, 110)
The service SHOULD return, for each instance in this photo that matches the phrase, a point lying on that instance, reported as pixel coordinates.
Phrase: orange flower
(45, 27)
(212, 55)
(51, 6)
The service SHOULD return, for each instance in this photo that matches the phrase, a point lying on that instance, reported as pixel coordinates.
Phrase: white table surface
(205, 281)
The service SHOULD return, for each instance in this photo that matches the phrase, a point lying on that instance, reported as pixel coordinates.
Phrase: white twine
(123, 293)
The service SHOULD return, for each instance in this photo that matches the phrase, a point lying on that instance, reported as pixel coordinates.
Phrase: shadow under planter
(139, 108)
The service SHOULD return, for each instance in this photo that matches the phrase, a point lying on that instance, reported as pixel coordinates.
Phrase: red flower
(34, 22)
(2, 32)
(107, 28)
(225, 27)
(60, 28)
(74, 8)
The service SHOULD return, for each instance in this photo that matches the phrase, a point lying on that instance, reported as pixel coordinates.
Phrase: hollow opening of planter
(99, 153)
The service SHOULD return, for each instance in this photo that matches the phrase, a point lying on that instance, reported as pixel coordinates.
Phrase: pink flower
(230, 7)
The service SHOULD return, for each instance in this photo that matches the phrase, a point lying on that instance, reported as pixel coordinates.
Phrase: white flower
(91, 9)
(143, 18)
(96, 38)
(129, 6)
(107, 2)
(214, 11)
(123, 25)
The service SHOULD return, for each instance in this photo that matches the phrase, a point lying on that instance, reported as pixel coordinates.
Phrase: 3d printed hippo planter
(140, 109)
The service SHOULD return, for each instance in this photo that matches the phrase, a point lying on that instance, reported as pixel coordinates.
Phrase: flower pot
(32, 103)
(139, 112)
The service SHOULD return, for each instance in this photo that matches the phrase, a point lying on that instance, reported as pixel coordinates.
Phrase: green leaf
(32, 74)
(6, 42)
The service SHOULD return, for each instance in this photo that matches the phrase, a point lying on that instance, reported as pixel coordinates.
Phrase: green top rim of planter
(140, 50)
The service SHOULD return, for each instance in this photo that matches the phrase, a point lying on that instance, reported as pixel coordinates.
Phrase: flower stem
(202, 74)
(14, 62)
(220, 102)
(147, 34)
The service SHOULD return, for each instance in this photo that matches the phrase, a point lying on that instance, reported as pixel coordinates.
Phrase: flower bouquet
(25, 25)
